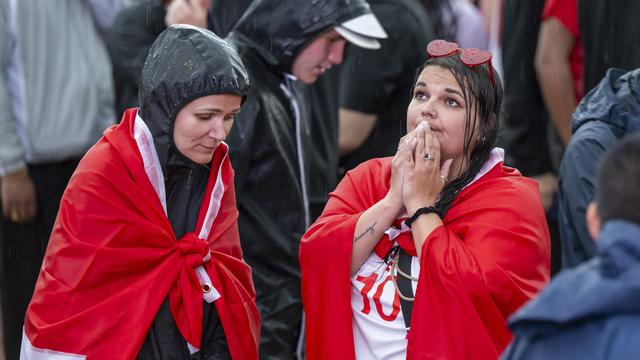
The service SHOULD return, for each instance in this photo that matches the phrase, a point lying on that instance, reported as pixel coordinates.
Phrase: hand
(424, 177)
(18, 197)
(192, 12)
(407, 143)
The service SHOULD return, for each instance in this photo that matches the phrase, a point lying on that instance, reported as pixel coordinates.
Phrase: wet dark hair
(483, 97)
(618, 181)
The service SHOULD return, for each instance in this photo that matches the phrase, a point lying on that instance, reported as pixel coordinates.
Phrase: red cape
(490, 256)
(113, 258)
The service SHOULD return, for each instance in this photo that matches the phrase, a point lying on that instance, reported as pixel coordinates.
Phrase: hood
(606, 285)
(185, 63)
(615, 100)
(279, 29)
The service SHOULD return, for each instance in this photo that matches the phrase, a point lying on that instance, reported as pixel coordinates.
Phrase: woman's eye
(420, 95)
(204, 117)
(452, 102)
(229, 117)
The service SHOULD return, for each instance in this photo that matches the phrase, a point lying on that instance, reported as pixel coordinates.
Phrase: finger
(435, 144)
(408, 154)
(420, 145)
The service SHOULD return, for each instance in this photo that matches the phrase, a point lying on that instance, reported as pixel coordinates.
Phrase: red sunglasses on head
(470, 57)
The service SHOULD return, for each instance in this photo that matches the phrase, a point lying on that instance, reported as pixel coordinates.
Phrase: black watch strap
(422, 211)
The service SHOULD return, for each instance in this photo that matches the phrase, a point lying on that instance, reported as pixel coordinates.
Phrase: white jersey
(378, 325)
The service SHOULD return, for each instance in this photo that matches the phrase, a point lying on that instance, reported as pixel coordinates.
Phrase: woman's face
(438, 99)
(203, 124)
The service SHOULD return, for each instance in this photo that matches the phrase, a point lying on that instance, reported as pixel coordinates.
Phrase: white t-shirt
(378, 325)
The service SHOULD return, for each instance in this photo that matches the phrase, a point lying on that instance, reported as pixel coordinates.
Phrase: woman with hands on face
(441, 239)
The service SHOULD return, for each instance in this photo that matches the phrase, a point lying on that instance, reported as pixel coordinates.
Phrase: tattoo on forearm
(369, 230)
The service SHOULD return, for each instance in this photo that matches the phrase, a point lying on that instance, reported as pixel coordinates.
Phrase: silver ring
(428, 156)
(444, 178)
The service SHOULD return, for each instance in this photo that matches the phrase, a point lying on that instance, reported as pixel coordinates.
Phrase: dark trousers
(23, 246)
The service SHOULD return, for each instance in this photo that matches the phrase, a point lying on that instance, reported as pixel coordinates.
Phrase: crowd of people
(321, 179)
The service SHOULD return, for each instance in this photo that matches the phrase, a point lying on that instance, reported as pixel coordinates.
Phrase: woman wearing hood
(144, 259)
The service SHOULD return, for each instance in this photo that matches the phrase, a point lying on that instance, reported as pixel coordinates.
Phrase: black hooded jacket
(268, 150)
(184, 63)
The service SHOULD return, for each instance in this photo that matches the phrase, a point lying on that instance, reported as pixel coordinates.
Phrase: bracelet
(422, 211)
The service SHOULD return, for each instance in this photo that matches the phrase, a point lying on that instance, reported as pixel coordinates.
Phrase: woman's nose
(217, 130)
(429, 108)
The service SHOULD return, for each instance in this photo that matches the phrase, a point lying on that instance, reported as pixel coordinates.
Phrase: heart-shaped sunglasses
(470, 57)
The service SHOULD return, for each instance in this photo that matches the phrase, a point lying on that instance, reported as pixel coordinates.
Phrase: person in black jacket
(283, 44)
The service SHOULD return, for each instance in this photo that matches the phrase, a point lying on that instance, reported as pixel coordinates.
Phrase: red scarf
(490, 256)
(113, 258)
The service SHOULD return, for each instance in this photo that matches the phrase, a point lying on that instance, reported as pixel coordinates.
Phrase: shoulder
(586, 147)
(502, 182)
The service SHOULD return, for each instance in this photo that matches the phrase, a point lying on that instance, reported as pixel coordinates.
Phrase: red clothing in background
(566, 11)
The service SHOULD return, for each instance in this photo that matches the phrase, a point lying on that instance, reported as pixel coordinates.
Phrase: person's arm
(370, 228)
(375, 220)
(355, 127)
(16, 188)
(554, 74)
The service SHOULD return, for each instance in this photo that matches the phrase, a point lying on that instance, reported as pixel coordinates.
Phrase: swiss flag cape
(113, 258)
(490, 256)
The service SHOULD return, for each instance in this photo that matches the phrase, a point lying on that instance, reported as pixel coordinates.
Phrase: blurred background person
(607, 113)
(283, 45)
(525, 121)
(599, 23)
(56, 99)
(593, 311)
